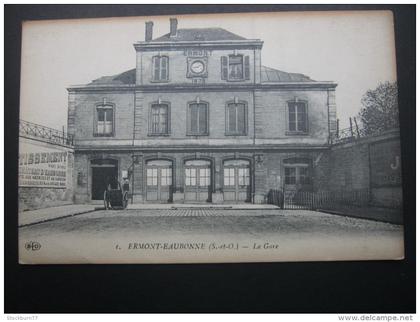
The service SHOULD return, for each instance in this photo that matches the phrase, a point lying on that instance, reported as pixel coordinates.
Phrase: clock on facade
(197, 67)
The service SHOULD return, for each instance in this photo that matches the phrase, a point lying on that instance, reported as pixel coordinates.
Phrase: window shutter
(202, 119)
(292, 117)
(100, 121)
(241, 118)
(232, 118)
(164, 68)
(109, 121)
(224, 66)
(193, 118)
(156, 68)
(246, 67)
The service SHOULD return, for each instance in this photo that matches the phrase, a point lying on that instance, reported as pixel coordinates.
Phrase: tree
(379, 110)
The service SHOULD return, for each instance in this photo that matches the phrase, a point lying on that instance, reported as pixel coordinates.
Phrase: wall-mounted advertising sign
(42, 166)
(385, 159)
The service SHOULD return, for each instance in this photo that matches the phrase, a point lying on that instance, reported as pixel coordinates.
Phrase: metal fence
(32, 130)
(353, 132)
(275, 197)
(319, 200)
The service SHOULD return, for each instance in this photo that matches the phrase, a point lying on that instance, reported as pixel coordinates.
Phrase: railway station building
(199, 119)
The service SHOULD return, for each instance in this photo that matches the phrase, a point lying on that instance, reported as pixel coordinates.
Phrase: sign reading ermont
(41, 166)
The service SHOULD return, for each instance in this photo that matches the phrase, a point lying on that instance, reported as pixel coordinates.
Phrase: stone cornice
(250, 148)
(181, 45)
(207, 87)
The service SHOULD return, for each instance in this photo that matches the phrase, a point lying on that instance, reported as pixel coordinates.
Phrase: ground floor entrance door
(197, 181)
(159, 181)
(236, 181)
(103, 171)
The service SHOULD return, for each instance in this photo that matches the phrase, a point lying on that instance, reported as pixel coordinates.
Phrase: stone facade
(285, 121)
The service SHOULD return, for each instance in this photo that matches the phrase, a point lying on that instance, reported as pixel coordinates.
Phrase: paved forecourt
(198, 212)
(114, 236)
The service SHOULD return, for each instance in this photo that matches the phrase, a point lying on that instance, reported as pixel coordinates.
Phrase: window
(104, 120)
(243, 176)
(298, 117)
(229, 176)
(159, 120)
(236, 119)
(303, 175)
(204, 175)
(190, 176)
(197, 119)
(152, 176)
(297, 175)
(290, 175)
(160, 68)
(235, 67)
(166, 177)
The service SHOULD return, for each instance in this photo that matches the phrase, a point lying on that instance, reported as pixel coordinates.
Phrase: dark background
(345, 287)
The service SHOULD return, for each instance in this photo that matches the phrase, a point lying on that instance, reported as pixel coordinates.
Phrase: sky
(355, 49)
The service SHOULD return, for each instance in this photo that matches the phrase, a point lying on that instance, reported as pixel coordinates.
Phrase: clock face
(197, 67)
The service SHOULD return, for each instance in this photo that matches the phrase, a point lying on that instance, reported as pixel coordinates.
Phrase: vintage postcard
(251, 137)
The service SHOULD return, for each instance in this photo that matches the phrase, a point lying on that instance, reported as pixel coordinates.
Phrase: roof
(277, 76)
(197, 34)
(268, 75)
(128, 77)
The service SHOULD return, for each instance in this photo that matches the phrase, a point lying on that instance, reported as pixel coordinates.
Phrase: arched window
(197, 119)
(297, 116)
(104, 120)
(159, 119)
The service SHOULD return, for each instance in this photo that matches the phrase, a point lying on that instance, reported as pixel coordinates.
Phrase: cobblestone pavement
(204, 212)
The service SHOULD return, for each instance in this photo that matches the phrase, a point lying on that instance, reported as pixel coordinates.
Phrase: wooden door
(236, 181)
(197, 181)
(159, 181)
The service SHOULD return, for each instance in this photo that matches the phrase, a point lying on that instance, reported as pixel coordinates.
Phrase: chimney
(174, 26)
(149, 31)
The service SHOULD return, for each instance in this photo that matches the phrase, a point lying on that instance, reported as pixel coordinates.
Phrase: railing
(352, 133)
(319, 200)
(275, 197)
(328, 199)
(32, 130)
(348, 135)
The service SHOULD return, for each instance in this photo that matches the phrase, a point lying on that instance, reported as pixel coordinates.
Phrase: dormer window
(235, 67)
(160, 68)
